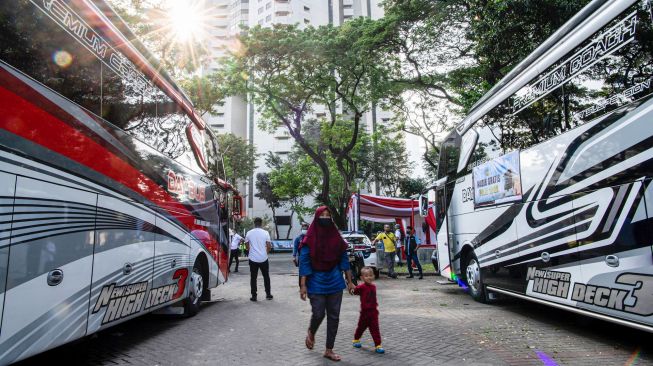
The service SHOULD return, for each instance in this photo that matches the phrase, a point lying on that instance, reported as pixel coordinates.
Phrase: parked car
(281, 246)
(361, 247)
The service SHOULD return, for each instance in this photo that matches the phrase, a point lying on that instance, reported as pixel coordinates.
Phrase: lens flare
(62, 58)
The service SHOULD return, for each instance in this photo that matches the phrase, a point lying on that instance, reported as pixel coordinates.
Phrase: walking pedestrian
(412, 241)
(389, 243)
(296, 242)
(369, 314)
(234, 250)
(398, 240)
(259, 244)
(322, 260)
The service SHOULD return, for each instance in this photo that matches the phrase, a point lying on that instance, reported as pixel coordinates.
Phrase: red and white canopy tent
(402, 211)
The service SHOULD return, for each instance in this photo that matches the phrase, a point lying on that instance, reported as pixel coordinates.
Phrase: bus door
(444, 235)
(617, 278)
(7, 186)
(122, 262)
(49, 269)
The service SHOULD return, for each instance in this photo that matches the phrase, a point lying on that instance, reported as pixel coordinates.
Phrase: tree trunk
(274, 221)
(292, 213)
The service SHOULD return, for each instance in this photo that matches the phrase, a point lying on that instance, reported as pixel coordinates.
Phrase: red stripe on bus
(24, 119)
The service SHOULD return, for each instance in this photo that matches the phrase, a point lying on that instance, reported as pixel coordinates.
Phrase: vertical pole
(358, 208)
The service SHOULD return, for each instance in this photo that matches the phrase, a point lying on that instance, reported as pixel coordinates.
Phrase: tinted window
(124, 103)
(610, 69)
(449, 154)
(488, 146)
(38, 46)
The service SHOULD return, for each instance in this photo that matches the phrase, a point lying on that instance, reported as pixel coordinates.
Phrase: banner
(497, 181)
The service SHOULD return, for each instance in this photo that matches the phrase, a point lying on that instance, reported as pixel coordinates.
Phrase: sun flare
(188, 21)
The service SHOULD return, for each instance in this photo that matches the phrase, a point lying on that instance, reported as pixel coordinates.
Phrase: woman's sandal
(310, 340)
(332, 356)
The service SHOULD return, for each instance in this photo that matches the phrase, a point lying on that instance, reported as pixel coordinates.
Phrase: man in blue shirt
(296, 242)
(412, 241)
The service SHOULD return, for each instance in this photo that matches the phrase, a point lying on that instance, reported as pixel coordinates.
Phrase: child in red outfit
(369, 315)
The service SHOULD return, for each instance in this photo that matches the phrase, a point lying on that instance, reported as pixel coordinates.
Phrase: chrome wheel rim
(473, 275)
(196, 286)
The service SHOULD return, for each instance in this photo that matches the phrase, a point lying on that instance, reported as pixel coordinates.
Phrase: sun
(187, 20)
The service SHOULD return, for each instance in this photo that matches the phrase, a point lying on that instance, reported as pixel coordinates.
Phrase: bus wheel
(194, 299)
(376, 273)
(474, 280)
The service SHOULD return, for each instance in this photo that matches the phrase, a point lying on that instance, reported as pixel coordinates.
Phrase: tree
(203, 92)
(266, 193)
(288, 72)
(238, 157)
(411, 186)
(293, 180)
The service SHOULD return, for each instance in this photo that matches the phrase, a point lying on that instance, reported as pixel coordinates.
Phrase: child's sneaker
(379, 349)
(356, 343)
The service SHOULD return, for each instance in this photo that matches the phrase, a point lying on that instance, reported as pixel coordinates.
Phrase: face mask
(304, 231)
(324, 221)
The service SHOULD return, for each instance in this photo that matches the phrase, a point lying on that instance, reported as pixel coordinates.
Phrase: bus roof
(582, 25)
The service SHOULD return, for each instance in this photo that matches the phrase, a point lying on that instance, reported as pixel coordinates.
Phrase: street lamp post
(358, 181)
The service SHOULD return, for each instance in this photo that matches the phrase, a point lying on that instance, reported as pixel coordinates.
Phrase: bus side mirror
(237, 207)
(423, 205)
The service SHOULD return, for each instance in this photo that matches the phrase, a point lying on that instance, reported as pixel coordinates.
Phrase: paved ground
(422, 323)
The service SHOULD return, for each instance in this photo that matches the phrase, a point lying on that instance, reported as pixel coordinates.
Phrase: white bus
(108, 205)
(544, 189)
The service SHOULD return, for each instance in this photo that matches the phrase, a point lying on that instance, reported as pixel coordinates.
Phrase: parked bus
(109, 203)
(544, 189)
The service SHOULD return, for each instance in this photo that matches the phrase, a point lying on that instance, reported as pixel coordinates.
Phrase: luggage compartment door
(49, 272)
(7, 187)
(122, 263)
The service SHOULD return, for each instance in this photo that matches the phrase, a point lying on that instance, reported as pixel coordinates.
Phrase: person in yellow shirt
(389, 245)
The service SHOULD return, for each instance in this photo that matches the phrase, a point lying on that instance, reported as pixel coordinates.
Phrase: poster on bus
(498, 180)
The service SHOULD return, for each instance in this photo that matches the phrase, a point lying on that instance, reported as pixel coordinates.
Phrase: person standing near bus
(412, 241)
(234, 251)
(389, 243)
(296, 242)
(398, 241)
(259, 244)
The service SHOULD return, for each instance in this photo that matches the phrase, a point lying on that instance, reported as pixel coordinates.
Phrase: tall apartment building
(237, 116)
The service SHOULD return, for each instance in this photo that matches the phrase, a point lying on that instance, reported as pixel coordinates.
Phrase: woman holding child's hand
(322, 260)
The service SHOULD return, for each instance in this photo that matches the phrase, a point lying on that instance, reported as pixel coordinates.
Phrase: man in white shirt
(259, 244)
(398, 243)
(234, 252)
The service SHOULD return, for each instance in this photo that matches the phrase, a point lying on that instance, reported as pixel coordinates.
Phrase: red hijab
(325, 243)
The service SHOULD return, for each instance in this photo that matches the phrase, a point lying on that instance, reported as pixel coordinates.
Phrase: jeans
(409, 259)
(389, 258)
(253, 272)
(234, 255)
(331, 304)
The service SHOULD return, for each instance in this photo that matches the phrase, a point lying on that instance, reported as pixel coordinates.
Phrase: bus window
(583, 85)
(449, 154)
(39, 47)
(124, 103)
(488, 146)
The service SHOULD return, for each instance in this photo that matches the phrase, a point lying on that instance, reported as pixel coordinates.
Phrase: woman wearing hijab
(322, 260)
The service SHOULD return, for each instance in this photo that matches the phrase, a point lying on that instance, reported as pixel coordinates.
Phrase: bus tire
(193, 301)
(474, 278)
(376, 273)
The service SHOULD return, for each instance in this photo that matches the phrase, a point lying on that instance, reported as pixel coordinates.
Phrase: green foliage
(203, 92)
(238, 157)
(288, 73)
(411, 186)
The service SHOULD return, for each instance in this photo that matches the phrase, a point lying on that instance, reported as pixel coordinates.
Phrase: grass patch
(426, 267)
